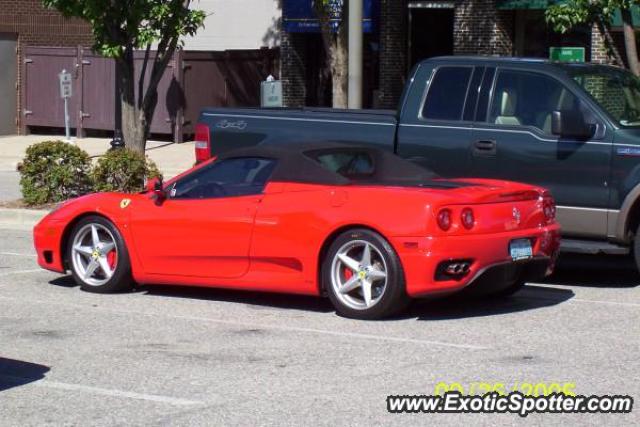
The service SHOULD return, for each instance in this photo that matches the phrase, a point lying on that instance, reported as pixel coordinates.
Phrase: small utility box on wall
(271, 93)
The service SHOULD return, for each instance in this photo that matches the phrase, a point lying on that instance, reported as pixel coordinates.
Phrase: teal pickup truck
(573, 128)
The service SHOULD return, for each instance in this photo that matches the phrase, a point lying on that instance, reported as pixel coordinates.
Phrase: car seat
(508, 104)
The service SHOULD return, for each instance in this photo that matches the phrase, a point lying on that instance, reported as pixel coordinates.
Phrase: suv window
(228, 178)
(523, 98)
(447, 93)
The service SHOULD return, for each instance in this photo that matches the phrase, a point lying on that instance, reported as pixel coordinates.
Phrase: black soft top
(298, 162)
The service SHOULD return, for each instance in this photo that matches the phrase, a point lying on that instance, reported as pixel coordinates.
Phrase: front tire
(97, 256)
(363, 276)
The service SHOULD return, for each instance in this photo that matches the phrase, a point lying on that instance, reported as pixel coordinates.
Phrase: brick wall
(598, 48)
(35, 25)
(393, 52)
(599, 52)
(481, 29)
(292, 68)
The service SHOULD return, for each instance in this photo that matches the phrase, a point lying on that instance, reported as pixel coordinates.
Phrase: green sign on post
(566, 54)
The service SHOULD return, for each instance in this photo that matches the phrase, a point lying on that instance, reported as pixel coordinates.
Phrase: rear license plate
(520, 249)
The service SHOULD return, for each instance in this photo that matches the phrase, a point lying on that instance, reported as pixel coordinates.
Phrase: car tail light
(444, 219)
(548, 207)
(203, 143)
(467, 218)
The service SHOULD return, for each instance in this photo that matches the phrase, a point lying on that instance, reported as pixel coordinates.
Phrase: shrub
(53, 171)
(123, 170)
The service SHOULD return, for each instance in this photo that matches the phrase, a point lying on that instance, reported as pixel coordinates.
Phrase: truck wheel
(363, 276)
(636, 248)
(98, 256)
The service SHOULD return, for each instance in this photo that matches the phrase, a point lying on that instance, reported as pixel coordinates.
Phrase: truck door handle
(484, 148)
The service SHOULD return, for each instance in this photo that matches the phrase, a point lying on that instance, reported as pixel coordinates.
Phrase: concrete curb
(20, 219)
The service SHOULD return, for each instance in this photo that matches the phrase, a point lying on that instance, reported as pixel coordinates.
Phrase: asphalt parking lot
(184, 356)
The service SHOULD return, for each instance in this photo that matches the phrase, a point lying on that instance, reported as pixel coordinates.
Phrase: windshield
(616, 90)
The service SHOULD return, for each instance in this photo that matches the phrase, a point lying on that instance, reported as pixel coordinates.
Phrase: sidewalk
(171, 158)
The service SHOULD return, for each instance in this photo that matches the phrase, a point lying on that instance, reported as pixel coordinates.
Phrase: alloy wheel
(359, 274)
(94, 254)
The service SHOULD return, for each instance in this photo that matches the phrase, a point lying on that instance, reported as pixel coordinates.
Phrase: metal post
(355, 54)
(117, 142)
(66, 119)
(66, 91)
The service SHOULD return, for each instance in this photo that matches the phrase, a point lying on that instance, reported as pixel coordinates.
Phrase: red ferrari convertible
(360, 225)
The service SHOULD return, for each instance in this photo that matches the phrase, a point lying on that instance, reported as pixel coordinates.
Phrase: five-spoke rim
(94, 254)
(359, 274)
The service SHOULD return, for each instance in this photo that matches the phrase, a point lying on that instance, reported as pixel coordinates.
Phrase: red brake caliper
(348, 273)
(112, 259)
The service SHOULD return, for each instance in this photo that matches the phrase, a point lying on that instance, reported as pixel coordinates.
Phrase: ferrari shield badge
(124, 203)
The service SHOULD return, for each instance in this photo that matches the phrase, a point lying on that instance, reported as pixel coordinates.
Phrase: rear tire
(98, 257)
(363, 276)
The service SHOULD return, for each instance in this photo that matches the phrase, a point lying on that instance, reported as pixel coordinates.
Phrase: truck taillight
(467, 218)
(548, 207)
(203, 143)
(444, 219)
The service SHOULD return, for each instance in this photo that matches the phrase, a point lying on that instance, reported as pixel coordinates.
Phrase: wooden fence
(193, 80)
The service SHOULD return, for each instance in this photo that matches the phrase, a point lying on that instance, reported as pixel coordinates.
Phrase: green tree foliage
(123, 170)
(122, 26)
(567, 15)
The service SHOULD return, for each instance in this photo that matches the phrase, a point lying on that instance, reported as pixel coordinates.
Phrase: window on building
(528, 99)
(227, 178)
(447, 93)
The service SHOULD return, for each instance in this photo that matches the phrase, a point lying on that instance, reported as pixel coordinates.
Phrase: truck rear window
(447, 93)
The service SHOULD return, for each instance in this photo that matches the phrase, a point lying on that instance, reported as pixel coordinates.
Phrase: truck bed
(236, 128)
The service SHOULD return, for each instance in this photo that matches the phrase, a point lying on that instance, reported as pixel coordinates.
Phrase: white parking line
(264, 326)
(107, 392)
(17, 254)
(333, 333)
(118, 393)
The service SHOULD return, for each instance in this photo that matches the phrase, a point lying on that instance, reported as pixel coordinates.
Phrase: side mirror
(155, 188)
(570, 124)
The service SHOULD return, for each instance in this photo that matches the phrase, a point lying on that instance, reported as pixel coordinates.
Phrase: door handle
(484, 147)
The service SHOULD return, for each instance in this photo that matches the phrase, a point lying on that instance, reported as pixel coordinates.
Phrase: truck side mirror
(570, 124)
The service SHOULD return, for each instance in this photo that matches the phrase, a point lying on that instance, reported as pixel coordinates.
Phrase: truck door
(512, 140)
(436, 123)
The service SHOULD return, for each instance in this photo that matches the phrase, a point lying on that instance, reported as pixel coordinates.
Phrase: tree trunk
(610, 44)
(337, 50)
(132, 127)
(630, 41)
(137, 115)
(340, 69)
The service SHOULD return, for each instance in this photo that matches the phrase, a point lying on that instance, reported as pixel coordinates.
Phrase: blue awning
(298, 16)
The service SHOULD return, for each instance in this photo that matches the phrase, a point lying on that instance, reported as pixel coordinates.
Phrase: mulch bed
(20, 204)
